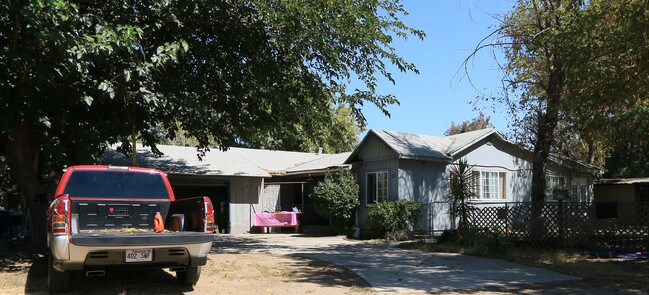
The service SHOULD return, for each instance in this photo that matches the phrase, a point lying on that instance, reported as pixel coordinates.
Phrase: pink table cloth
(282, 218)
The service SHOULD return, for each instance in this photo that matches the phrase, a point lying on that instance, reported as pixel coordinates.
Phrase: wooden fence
(601, 225)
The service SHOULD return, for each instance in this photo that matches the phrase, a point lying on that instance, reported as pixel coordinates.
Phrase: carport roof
(233, 162)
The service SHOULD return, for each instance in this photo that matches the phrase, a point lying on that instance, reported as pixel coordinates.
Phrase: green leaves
(336, 197)
(462, 189)
(389, 217)
(262, 73)
(476, 123)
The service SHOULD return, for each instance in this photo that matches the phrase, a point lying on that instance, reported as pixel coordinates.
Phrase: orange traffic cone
(158, 224)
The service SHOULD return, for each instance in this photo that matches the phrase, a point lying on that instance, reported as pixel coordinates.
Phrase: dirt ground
(233, 273)
(224, 274)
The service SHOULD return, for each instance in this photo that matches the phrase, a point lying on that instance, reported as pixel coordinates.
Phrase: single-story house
(394, 166)
(240, 182)
(388, 166)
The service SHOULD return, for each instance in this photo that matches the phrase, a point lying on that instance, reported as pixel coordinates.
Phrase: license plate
(139, 255)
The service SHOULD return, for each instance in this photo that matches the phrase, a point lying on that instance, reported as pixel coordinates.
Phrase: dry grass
(621, 274)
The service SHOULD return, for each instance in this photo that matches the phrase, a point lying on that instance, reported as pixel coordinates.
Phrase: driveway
(391, 270)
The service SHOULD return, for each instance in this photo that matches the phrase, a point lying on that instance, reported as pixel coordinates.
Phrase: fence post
(451, 215)
(561, 234)
(431, 222)
(507, 227)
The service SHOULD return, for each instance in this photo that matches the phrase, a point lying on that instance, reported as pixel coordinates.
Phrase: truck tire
(57, 281)
(190, 276)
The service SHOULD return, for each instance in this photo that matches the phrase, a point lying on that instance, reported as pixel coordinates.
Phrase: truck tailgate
(140, 239)
(92, 214)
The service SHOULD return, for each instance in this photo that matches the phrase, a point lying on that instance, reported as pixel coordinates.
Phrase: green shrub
(393, 219)
(336, 198)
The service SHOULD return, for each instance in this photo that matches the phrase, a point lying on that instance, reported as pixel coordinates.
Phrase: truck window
(116, 184)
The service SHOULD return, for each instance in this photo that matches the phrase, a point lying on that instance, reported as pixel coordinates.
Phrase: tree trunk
(541, 152)
(22, 158)
(591, 150)
(547, 123)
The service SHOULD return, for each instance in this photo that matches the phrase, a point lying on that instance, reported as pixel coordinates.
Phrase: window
(116, 184)
(579, 189)
(377, 187)
(552, 182)
(490, 185)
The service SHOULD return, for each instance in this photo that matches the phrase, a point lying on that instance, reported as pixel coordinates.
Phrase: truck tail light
(58, 221)
(208, 215)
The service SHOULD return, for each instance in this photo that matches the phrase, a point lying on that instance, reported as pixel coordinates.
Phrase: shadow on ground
(136, 281)
(327, 273)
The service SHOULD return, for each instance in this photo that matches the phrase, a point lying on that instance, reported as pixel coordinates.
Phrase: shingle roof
(459, 142)
(233, 162)
(408, 145)
(419, 146)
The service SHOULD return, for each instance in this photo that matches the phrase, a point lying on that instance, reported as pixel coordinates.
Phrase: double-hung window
(490, 185)
(377, 187)
(552, 182)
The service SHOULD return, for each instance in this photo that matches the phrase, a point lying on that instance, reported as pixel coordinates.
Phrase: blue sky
(440, 95)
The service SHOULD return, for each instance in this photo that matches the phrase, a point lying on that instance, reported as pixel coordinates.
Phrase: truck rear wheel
(190, 276)
(57, 281)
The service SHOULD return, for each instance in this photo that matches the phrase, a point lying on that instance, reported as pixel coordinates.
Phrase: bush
(336, 198)
(392, 219)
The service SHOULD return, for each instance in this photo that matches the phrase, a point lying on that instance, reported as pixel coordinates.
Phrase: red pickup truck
(103, 218)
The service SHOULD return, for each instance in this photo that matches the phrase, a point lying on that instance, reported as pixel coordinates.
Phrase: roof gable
(448, 148)
(412, 146)
(460, 142)
(426, 147)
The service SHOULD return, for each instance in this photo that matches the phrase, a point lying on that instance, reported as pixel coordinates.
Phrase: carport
(240, 182)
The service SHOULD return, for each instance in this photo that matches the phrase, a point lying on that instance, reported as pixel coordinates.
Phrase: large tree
(575, 76)
(335, 133)
(608, 79)
(81, 74)
(533, 38)
(477, 123)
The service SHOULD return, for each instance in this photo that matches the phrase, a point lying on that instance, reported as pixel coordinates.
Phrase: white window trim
(375, 198)
(548, 190)
(501, 193)
(490, 186)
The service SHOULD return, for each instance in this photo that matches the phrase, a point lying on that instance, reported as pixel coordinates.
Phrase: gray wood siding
(427, 182)
(375, 150)
(375, 156)
(422, 181)
(245, 197)
(505, 158)
(498, 157)
(270, 199)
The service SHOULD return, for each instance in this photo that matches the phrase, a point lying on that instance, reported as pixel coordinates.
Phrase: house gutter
(313, 171)
(445, 159)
